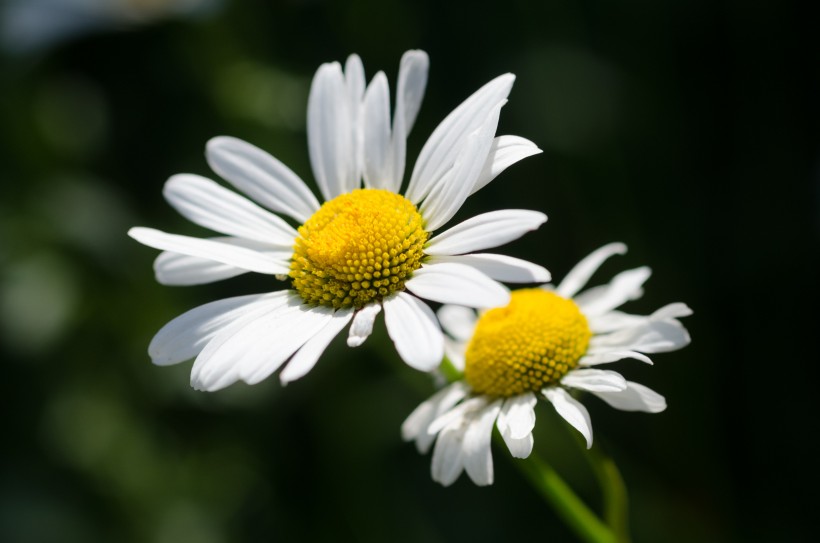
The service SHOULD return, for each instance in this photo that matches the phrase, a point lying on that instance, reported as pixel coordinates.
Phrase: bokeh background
(688, 130)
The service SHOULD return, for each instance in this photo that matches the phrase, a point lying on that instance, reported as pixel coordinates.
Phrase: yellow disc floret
(357, 248)
(527, 345)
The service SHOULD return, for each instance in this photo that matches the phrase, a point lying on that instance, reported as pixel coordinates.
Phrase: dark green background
(688, 130)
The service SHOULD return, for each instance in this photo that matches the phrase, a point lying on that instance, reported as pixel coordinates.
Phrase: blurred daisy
(363, 250)
(545, 342)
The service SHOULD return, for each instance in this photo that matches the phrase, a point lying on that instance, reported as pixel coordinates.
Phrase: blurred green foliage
(688, 130)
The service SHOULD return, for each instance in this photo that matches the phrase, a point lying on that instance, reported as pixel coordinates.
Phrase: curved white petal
(636, 397)
(331, 132)
(458, 321)
(671, 311)
(650, 337)
(454, 351)
(186, 335)
(519, 448)
(499, 267)
(412, 326)
(594, 380)
(605, 355)
(376, 127)
(208, 204)
(362, 325)
(478, 459)
(457, 284)
(261, 176)
(517, 416)
(571, 410)
(182, 270)
(306, 357)
(485, 231)
(452, 189)
(626, 286)
(448, 454)
(409, 94)
(415, 427)
(616, 320)
(443, 146)
(504, 152)
(239, 257)
(578, 276)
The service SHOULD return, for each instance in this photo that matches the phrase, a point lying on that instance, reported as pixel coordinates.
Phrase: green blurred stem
(566, 503)
(616, 501)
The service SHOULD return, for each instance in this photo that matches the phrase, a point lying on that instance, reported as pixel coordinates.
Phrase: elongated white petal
(442, 148)
(186, 335)
(362, 325)
(458, 321)
(306, 357)
(376, 125)
(416, 426)
(182, 270)
(409, 94)
(519, 415)
(330, 132)
(499, 267)
(458, 284)
(485, 231)
(446, 197)
(578, 276)
(355, 82)
(626, 286)
(650, 337)
(460, 412)
(636, 397)
(605, 355)
(261, 176)
(448, 454)
(504, 152)
(594, 380)
(572, 411)
(671, 311)
(454, 351)
(412, 326)
(208, 204)
(615, 320)
(224, 253)
(478, 459)
(519, 448)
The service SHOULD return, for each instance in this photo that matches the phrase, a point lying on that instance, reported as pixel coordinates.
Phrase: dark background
(688, 130)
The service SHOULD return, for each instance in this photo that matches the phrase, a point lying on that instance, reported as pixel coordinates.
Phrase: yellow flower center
(527, 345)
(357, 248)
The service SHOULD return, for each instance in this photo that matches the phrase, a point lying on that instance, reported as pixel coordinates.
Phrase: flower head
(544, 343)
(368, 247)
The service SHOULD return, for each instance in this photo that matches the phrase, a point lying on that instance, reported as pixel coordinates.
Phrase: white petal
(363, 324)
(605, 356)
(500, 267)
(181, 270)
(485, 231)
(518, 415)
(458, 321)
(355, 82)
(504, 152)
(594, 380)
(261, 176)
(306, 357)
(519, 448)
(448, 454)
(478, 459)
(224, 253)
(331, 132)
(616, 320)
(457, 284)
(208, 204)
(415, 427)
(572, 411)
(452, 189)
(259, 348)
(650, 337)
(671, 311)
(376, 126)
(409, 94)
(454, 351)
(578, 276)
(626, 286)
(412, 326)
(186, 335)
(636, 397)
(440, 151)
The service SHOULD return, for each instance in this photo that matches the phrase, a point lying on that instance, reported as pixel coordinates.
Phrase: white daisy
(541, 344)
(363, 250)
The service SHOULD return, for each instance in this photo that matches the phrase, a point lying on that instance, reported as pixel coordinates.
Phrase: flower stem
(616, 501)
(566, 503)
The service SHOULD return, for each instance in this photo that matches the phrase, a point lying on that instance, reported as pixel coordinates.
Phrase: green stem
(616, 501)
(566, 503)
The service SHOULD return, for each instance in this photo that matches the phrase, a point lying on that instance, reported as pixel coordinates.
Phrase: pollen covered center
(357, 248)
(527, 345)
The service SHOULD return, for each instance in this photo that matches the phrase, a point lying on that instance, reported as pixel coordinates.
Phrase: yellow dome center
(527, 345)
(357, 248)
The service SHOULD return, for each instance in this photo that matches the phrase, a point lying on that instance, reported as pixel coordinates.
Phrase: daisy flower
(544, 343)
(369, 247)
